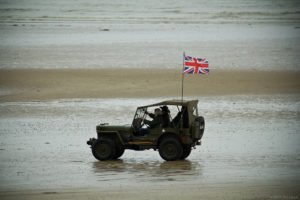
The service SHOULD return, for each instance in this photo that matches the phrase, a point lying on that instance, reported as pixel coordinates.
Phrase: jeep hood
(107, 127)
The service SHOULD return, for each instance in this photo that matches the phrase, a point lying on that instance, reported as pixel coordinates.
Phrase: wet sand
(42, 84)
(250, 150)
(233, 191)
(65, 67)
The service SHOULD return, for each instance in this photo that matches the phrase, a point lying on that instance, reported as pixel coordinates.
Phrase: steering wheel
(137, 123)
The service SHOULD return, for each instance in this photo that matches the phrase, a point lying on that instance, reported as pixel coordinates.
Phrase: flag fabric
(195, 65)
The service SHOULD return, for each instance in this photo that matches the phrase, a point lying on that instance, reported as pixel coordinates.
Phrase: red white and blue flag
(195, 65)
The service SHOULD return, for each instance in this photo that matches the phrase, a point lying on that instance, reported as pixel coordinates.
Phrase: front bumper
(91, 141)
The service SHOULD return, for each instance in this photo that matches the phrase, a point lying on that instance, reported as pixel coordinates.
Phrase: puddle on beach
(43, 144)
(146, 171)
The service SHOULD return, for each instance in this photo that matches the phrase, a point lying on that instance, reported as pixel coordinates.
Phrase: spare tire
(201, 122)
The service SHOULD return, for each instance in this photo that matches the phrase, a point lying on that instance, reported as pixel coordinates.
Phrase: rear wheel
(170, 149)
(119, 152)
(186, 152)
(103, 149)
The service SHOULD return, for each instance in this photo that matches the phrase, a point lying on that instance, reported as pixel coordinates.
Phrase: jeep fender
(165, 135)
(114, 135)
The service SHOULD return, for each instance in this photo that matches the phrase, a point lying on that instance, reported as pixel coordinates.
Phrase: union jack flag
(195, 65)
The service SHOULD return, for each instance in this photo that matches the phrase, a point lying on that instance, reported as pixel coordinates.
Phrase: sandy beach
(41, 84)
(65, 67)
(249, 151)
(220, 191)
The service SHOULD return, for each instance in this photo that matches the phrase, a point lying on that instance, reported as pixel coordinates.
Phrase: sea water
(232, 34)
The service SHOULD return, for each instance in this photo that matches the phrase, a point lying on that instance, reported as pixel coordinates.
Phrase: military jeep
(173, 139)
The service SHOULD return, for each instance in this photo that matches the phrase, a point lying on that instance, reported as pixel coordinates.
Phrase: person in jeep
(157, 118)
(183, 114)
(165, 117)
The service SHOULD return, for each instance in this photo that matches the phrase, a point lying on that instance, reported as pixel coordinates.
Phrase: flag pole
(182, 78)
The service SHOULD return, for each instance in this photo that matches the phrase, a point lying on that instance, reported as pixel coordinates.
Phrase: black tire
(119, 152)
(202, 124)
(103, 149)
(170, 149)
(199, 125)
(186, 152)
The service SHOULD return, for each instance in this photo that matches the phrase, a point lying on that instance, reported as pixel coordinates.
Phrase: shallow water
(247, 138)
(153, 12)
(260, 35)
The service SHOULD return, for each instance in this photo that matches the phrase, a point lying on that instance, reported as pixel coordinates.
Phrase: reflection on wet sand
(147, 171)
(249, 139)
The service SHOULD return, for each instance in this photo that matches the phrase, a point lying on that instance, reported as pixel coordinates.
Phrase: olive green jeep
(180, 130)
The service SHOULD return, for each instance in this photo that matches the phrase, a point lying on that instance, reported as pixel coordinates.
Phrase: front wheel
(170, 149)
(103, 149)
(119, 152)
